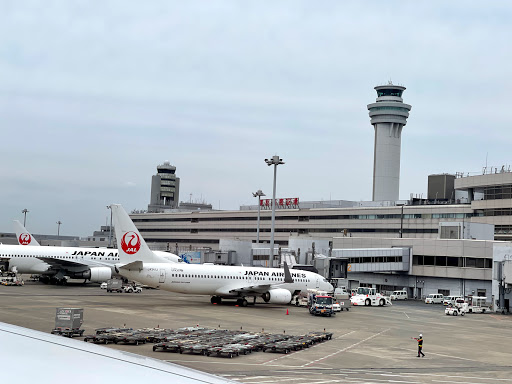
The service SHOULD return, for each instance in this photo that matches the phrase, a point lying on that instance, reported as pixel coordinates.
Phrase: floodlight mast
(258, 194)
(275, 161)
(25, 211)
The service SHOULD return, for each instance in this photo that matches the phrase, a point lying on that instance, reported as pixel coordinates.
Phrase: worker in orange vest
(420, 345)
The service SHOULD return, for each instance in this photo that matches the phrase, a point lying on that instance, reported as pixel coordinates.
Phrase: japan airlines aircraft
(139, 263)
(23, 236)
(56, 264)
(67, 360)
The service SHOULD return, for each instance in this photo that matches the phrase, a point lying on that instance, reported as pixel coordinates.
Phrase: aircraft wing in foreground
(58, 359)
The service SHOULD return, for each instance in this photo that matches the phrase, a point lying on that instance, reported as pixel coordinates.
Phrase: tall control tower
(388, 115)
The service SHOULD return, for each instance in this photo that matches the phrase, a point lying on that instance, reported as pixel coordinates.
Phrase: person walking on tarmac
(420, 345)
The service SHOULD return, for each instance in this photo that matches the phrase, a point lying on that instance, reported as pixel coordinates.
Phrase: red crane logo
(130, 243)
(25, 239)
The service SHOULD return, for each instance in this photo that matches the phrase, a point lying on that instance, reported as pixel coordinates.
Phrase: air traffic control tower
(388, 116)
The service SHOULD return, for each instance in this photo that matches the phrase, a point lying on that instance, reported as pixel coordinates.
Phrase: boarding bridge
(375, 259)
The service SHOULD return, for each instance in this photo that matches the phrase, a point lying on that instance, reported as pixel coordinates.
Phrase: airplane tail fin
(130, 243)
(23, 236)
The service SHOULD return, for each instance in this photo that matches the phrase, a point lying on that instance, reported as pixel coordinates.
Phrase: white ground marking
(461, 377)
(406, 315)
(222, 362)
(345, 349)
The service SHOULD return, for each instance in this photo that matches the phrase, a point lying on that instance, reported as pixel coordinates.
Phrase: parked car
(399, 295)
(434, 298)
(103, 285)
(450, 300)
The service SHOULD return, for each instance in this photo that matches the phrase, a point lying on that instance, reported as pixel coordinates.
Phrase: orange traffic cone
(287, 311)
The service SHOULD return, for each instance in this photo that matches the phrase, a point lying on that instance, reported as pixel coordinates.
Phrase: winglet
(287, 275)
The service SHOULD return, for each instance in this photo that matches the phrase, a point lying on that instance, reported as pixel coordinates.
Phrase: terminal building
(444, 243)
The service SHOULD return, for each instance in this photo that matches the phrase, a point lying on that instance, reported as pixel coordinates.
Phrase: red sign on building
(287, 203)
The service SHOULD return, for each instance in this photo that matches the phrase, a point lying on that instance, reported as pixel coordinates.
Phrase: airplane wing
(233, 288)
(65, 359)
(62, 263)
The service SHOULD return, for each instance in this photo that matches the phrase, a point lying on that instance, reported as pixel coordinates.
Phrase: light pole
(110, 232)
(25, 211)
(275, 161)
(58, 227)
(258, 193)
(402, 222)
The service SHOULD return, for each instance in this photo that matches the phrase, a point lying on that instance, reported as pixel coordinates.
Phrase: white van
(399, 295)
(450, 300)
(434, 298)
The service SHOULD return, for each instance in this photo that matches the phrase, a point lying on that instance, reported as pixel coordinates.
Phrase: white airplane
(56, 264)
(23, 236)
(274, 285)
(63, 359)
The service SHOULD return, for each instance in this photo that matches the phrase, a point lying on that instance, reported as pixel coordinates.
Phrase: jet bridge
(343, 261)
(376, 259)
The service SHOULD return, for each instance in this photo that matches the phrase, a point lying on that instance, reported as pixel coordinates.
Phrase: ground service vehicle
(301, 300)
(115, 285)
(399, 295)
(478, 304)
(343, 299)
(132, 288)
(68, 322)
(453, 310)
(434, 298)
(369, 296)
(320, 304)
(10, 278)
(450, 300)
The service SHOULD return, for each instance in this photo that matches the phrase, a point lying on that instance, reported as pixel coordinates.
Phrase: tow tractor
(369, 296)
(460, 307)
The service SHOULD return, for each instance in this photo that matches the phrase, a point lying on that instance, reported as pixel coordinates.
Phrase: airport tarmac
(370, 344)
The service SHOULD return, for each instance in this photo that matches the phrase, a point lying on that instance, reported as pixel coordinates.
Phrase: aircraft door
(162, 276)
(317, 282)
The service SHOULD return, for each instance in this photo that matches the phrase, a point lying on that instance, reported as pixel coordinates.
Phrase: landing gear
(242, 302)
(57, 281)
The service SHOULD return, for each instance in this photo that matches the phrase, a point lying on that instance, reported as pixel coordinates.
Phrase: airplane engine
(277, 296)
(97, 274)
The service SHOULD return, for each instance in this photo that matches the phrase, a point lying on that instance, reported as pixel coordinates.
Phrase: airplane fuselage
(221, 280)
(26, 258)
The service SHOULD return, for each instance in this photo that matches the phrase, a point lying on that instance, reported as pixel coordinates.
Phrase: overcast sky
(95, 94)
